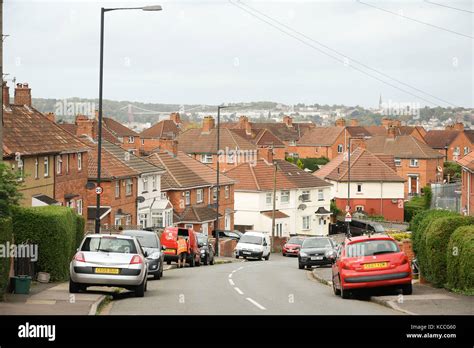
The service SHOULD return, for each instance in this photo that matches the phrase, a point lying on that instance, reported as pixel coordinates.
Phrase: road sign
(348, 217)
(99, 190)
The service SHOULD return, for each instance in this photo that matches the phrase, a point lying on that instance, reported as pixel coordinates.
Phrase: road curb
(97, 304)
(320, 279)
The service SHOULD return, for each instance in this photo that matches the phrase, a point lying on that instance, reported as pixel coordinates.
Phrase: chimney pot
(392, 132)
(22, 94)
(207, 124)
(340, 122)
(51, 116)
(288, 121)
(175, 117)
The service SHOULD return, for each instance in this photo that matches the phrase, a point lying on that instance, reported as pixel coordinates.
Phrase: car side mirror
(163, 247)
(145, 253)
(331, 255)
(264, 243)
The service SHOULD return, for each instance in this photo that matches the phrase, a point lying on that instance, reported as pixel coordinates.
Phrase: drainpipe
(468, 192)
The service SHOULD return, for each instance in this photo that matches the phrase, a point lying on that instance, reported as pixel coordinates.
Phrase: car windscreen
(110, 245)
(147, 240)
(298, 241)
(202, 240)
(251, 239)
(316, 243)
(378, 228)
(371, 247)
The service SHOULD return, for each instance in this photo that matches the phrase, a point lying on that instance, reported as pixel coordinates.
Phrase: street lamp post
(101, 74)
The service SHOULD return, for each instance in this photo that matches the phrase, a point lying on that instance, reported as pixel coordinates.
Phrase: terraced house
(453, 143)
(52, 162)
(165, 129)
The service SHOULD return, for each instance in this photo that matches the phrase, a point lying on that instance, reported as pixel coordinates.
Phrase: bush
(427, 196)
(80, 230)
(399, 236)
(433, 249)
(5, 236)
(460, 260)
(413, 207)
(314, 163)
(54, 230)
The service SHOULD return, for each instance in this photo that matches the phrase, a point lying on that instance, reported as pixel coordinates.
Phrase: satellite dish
(90, 185)
(140, 199)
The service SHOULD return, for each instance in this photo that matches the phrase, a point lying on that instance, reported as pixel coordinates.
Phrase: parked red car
(292, 246)
(169, 239)
(369, 262)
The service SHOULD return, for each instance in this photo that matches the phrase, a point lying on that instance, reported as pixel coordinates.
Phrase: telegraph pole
(1, 74)
(274, 204)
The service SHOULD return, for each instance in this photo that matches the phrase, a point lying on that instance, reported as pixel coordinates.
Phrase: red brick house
(453, 143)
(467, 189)
(190, 186)
(375, 187)
(165, 129)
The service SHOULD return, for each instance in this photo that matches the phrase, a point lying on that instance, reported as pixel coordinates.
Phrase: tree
(9, 194)
(300, 164)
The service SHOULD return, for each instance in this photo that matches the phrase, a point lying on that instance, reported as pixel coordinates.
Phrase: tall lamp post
(101, 73)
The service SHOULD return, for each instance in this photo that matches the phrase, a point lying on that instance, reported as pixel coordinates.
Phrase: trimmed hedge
(80, 231)
(6, 235)
(420, 223)
(432, 254)
(460, 260)
(54, 230)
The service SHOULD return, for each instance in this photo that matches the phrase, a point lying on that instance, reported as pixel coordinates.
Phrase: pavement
(425, 300)
(247, 287)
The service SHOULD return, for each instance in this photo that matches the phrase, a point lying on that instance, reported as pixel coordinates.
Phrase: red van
(169, 239)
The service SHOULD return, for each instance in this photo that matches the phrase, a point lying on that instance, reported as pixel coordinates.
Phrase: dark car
(151, 245)
(228, 234)
(358, 227)
(313, 252)
(207, 249)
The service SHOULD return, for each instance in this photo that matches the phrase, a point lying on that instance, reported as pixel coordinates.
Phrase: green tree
(300, 164)
(9, 194)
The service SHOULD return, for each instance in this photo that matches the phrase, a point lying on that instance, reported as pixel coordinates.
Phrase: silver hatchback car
(109, 260)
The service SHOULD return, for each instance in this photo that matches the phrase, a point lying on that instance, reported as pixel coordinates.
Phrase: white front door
(205, 228)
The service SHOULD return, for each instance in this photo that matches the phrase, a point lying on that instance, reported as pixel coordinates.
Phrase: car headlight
(303, 254)
(155, 256)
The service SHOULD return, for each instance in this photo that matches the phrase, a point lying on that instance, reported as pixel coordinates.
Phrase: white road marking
(238, 290)
(230, 275)
(231, 282)
(238, 269)
(256, 303)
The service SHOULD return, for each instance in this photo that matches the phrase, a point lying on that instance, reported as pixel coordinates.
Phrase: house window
(145, 184)
(79, 206)
(322, 221)
(117, 221)
(21, 171)
(157, 219)
(466, 150)
(117, 189)
(359, 208)
(199, 195)
(306, 196)
(230, 157)
(79, 161)
(36, 168)
(188, 225)
(153, 182)
(131, 140)
(320, 195)
(285, 196)
(398, 162)
(187, 197)
(268, 198)
(292, 143)
(67, 164)
(414, 162)
(359, 188)
(163, 195)
(214, 193)
(279, 229)
(206, 158)
(456, 151)
(128, 220)
(143, 141)
(306, 222)
(128, 187)
(340, 148)
(227, 221)
(59, 164)
(226, 191)
(46, 166)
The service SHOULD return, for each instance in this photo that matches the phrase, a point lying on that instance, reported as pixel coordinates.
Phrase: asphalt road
(276, 286)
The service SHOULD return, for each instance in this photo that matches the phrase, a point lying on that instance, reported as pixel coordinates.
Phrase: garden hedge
(80, 230)
(432, 254)
(5, 236)
(460, 260)
(53, 229)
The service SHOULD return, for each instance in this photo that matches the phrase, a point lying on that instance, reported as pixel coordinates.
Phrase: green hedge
(460, 260)
(420, 223)
(432, 253)
(54, 230)
(80, 230)
(5, 236)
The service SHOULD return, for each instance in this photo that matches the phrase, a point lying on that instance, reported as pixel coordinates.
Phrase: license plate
(375, 265)
(246, 252)
(170, 251)
(107, 270)
(316, 257)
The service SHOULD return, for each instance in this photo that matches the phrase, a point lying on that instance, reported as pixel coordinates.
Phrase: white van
(253, 244)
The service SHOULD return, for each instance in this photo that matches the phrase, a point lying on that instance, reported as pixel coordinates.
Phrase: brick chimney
(288, 121)
(243, 122)
(386, 122)
(354, 122)
(22, 94)
(85, 126)
(170, 145)
(6, 94)
(51, 116)
(340, 122)
(266, 153)
(175, 117)
(396, 123)
(459, 126)
(392, 132)
(207, 124)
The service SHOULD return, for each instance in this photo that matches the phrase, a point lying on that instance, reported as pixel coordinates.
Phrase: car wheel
(407, 289)
(337, 292)
(157, 276)
(284, 254)
(267, 257)
(345, 294)
(198, 263)
(74, 287)
(300, 265)
(237, 256)
(205, 262)
(140, 289)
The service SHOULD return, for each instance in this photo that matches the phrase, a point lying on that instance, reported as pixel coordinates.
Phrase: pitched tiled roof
(138, 164)
(467, 161)
(197, 214)
(260, 137)
(283, 132)
(29, 132)
(470, 135)
(259, 176)
(118, 129)
(112, 167)
(365, 167)
(278, 214)
(438, 139)
(195, 141)
(184, 172)
(165, 129)
(403, 146)
(320, 136)
(106, 133)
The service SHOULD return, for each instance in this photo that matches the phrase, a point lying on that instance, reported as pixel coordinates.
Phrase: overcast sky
(210, 52)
